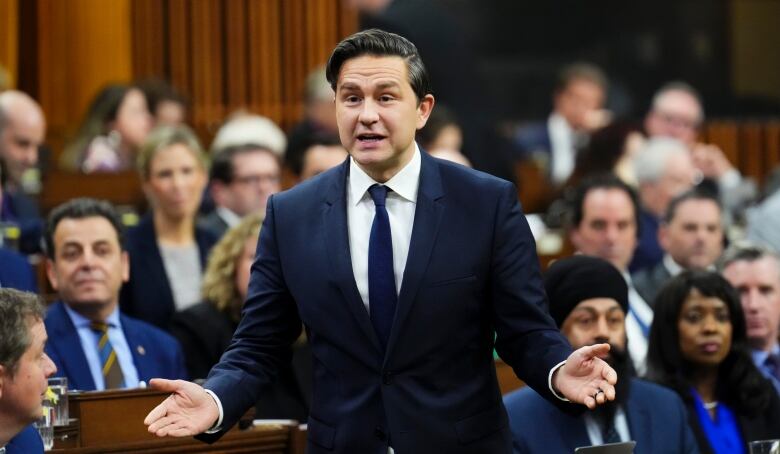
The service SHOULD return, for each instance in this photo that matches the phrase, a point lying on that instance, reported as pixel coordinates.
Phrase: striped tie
(112, 372)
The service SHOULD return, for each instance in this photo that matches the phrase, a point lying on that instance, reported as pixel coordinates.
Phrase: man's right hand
(188, 411)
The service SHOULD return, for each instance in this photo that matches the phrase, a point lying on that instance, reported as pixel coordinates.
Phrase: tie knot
(773, 361)
(378, 194)
(101, 327)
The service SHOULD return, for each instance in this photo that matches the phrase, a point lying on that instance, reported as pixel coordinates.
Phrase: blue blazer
(156, 354)
(657, 421)
(472, 271)
(147, 295)
(28, 441)
(16, 272)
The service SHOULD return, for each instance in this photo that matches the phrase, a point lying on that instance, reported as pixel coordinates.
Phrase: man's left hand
(586, 378)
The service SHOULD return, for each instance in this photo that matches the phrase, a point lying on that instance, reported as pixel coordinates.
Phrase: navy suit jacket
(16, 272)
(156, 354)
(147, 295)
(472, 272)
(657, 421)
(28, 441)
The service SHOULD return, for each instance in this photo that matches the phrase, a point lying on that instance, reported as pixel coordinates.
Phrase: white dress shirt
(595, 430)
(401, 204)
(561, 148)
(639, 314)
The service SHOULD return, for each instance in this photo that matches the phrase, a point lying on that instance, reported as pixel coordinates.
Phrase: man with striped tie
(90, 341)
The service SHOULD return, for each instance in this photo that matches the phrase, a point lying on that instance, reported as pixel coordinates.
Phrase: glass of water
(45, 427)
(765, 447)
(57, 398)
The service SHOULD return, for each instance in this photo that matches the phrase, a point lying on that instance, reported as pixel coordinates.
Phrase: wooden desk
(112, 422)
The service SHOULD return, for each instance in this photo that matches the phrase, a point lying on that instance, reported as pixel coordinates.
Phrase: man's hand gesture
(586, 378)
(188, 411)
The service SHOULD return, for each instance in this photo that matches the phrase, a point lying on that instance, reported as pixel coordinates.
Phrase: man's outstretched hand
(586, 378)
(188, 411)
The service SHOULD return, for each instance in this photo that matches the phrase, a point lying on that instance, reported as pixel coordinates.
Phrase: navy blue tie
(382, 297)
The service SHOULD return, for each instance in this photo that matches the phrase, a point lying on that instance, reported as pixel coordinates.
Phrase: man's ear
(574, 237)
(2, 380)
(424, 110)
(51, 274)
(217, 190)
(125, 258)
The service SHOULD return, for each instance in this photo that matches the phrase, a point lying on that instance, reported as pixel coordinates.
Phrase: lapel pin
(141, 350)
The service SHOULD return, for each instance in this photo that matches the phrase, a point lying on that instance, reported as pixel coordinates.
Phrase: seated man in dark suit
(92, 344)
(589, 300)
(24, 368)
(16, 272)
(691, 236)
(579, 95)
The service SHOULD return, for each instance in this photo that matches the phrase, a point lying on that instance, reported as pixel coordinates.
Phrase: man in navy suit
(16, 272)
(402, 268)
(24, 368)
(588, 300)
(92, 344)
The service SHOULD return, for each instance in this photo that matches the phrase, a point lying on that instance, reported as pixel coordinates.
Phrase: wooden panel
(772, 141)
(148, 38)
(507, 380)
(724, 134)
(265, 58)
(82, 45)
(178, 33)
(9, 42)
(236, 56)
(751, 156)
(207, 63)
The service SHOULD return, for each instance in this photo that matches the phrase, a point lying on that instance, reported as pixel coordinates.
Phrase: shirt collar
(760, 356)
(405, 183)
(672, 267)
(79, 321)
(227, 215)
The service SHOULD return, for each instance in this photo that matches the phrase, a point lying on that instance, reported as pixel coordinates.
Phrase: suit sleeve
(526, 336)
(262, 342)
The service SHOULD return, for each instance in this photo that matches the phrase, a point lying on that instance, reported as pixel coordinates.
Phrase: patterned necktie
(112, 372)
(382, 297)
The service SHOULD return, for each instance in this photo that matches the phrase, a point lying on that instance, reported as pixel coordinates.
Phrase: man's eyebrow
(388, 84)
(348, 86)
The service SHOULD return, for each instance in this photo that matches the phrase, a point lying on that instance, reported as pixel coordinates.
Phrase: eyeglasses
(256, 180)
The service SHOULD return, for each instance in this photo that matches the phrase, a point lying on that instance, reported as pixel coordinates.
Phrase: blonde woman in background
(205, 330)
(167, 249)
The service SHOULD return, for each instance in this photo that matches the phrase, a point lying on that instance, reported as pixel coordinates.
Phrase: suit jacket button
(380, 433)
(387, 378)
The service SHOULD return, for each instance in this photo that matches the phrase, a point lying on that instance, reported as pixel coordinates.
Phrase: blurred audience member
(167, 249)
(755, 273)
(451, 155)
(116, 124)
(588, 300)
(167, 106)
(698, 347)
(605, 219)
(763, 222)
(24, 368)
(578, 98)
(691, 236)
(93, 345)
(323, 153)
(22, 132)
(677, 112)
(242, 177)
(16, 272)
(225, 285)
(319, 118)
(663, 169)
(610, 149)
(441, 131)
(242, 129)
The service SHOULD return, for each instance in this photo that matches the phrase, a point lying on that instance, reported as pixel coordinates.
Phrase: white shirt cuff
(218, 425)
(549, 384)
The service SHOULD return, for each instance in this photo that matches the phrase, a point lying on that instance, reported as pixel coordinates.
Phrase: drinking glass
(58, 398)
(45, 427)
(765, 447)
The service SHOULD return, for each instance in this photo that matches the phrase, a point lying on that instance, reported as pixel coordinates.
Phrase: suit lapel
(65, 339)
(427, 218)
(334, 218)
(138, 350)
(639, 424)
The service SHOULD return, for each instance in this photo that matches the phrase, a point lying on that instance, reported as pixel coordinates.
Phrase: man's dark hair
(581, 71)
(16, 310)
(693, 194)
(317, 139)
(222, 160)
(380, 43)
(602, 181)
(78, 209)
(745, 251)
(739, 383)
